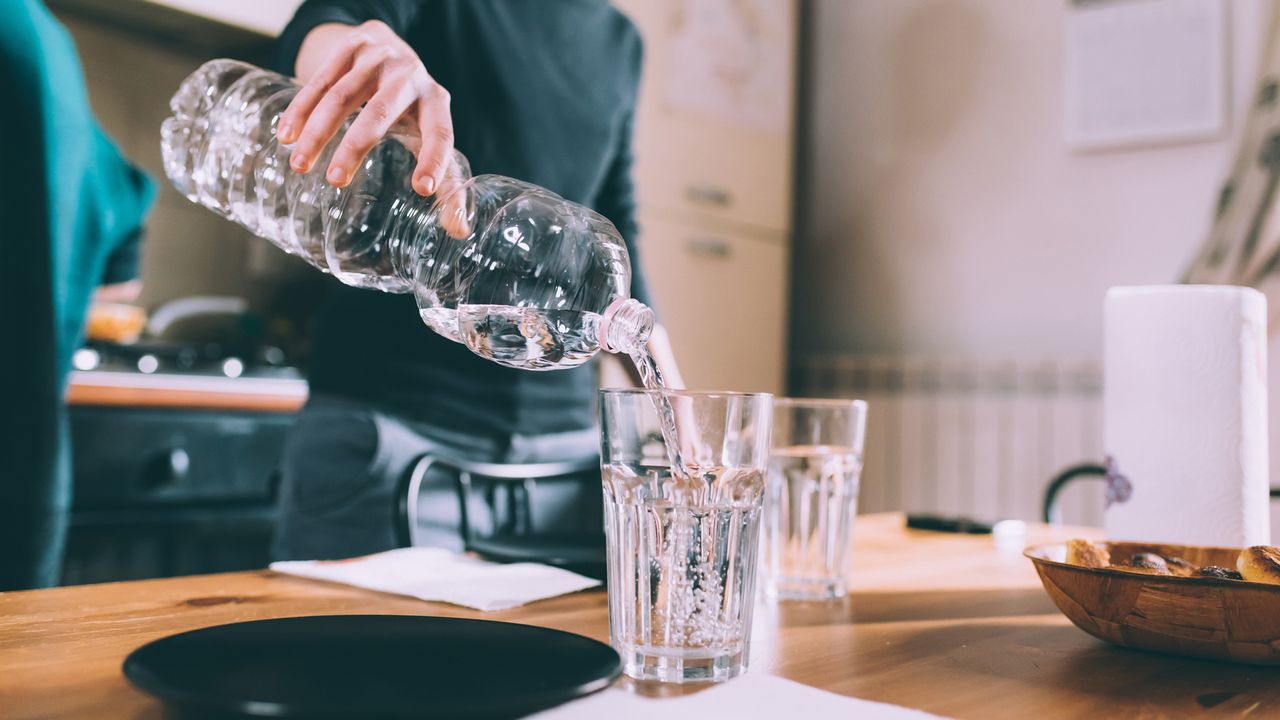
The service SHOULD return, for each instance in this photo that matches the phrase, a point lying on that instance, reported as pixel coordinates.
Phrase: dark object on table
(938, 523)
(1220, 573)
(370, 666)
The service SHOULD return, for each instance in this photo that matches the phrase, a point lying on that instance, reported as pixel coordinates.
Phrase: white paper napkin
(754, 695)
(439, 575)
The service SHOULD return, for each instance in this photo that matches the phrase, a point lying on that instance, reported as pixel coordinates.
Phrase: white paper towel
(1186, 415)
(440, 575)
(754, 695)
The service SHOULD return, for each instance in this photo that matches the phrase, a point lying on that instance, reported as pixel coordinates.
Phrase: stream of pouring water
(651, 378)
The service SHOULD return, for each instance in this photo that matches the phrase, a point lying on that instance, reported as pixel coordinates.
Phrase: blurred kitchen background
(917, 202)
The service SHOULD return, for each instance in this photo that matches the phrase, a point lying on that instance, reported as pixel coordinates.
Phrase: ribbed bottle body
(517, 273)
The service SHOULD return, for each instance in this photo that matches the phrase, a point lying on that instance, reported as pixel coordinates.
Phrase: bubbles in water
(694, 557)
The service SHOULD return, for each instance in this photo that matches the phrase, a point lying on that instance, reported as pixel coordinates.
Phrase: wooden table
(193, 392)
(940, 622)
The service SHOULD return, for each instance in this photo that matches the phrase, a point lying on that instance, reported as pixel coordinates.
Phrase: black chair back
(1050, 512)
(550, 513)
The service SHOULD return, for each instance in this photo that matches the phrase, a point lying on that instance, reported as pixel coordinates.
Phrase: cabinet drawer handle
(710, 247)
(708, 195)
(165, 470)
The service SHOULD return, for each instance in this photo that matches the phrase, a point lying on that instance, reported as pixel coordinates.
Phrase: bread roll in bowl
(1260, 563)
(1088, 554)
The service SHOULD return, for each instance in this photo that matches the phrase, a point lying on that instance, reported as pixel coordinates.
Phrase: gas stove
(172, 358)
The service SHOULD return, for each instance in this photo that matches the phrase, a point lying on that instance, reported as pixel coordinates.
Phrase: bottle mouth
(606, 322)
(625, 326)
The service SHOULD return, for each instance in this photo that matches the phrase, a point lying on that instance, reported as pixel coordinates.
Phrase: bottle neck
(625, 326)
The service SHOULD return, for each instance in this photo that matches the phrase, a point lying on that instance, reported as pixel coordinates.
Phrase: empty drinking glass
(812, 497)
(682, 544)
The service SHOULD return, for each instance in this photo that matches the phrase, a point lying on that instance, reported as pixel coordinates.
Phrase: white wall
(944, 213)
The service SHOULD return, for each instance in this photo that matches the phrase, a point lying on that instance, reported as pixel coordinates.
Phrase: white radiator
(969, 437)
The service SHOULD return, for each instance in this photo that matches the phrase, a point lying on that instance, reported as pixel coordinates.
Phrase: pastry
(1132, 569)
(1149, 563)
(1088, 554)
(1260, 563)
(1181, 567)
(1221, 573)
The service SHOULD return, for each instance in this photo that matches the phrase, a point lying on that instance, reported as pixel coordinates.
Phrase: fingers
(453, 201)
(373, 66)
(295, 116)
(339, 101)
(382, 112)
(436, 126)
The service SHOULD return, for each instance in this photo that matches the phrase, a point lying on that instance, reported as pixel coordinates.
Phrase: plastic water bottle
(517, 273)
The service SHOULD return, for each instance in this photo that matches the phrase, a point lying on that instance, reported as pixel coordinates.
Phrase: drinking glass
(812, 497)
(682, 529)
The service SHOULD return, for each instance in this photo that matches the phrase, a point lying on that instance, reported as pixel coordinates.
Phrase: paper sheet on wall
(727, 58)
(1145, 71)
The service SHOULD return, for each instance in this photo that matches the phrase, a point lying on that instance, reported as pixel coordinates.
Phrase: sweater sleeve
(397, 14)
(617, 201)
(617, 197)
(125, 195)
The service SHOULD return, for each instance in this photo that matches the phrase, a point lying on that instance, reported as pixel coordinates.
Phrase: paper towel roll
(1186, 415)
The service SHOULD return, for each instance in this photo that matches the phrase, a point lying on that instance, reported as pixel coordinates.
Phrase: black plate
(363, 666)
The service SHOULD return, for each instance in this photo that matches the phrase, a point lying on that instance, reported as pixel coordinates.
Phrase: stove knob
(148, 364)
(272, 355)
(86, 359)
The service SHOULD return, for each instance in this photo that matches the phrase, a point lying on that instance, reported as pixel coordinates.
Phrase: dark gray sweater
(543, 91)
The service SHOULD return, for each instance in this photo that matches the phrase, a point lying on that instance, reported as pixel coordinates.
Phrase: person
(73, 213)
(541, 91)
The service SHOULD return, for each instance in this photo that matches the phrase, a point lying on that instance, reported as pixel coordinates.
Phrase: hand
(121, 292)
(344, 67)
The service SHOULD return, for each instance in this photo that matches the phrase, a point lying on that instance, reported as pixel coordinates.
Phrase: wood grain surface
(940, 622)
(1194, 616)
(86, 392)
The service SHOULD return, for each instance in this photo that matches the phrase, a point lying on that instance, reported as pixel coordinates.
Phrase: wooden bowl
(1199, 617)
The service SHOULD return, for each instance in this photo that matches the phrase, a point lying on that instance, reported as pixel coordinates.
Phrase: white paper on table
(439, 575)
(754, 695)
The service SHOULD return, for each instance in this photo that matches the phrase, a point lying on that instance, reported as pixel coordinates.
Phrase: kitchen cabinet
(714, 129)
(714, 153)
(163, 491)
(722, 296)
